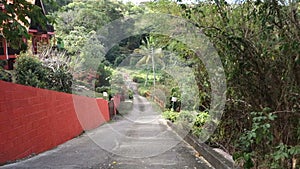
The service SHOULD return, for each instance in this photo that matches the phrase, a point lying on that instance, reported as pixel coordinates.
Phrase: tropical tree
(258, 43)
(151, 55)
(16, 18)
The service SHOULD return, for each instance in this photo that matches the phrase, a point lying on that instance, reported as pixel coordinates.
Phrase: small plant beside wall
(5, 75)
(194, 121)
(260, 135)
(170, 115)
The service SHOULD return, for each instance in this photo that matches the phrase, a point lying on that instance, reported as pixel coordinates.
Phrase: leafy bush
(48, 74)
(143, 91)
(117, 79)
(3, 63)
(259, 135)
(186, 116)
(103, 89)
(138, 79)
(188, 119)
(59, 69)
(201, 119)
(130, 94)
(284, 152)
(164, 78)
(4, 74)
(103, 76)
(170, 115)
(31, 72)
(59, 80)
(117, 84)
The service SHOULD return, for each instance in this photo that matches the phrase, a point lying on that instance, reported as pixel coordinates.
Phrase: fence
(157, 100)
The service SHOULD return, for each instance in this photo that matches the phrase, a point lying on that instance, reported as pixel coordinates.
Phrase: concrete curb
(215, 159)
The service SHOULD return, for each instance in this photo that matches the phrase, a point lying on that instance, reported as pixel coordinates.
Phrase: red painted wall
(103, 106)
(34, 120)
(116, 100)
(90, 112)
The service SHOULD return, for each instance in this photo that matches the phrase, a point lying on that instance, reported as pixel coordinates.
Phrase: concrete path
(139, 139)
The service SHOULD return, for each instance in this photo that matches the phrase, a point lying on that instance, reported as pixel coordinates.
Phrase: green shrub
(138, 79)
(117, 79)
(103, 76)
(201, 119)
(31, 71)
(259, 135)
(3, 63)
(143, 91)
(59, 80)
(103, 89)
(186, 116)
(117, 83)
(196, 122)
(130, 94)
(4, 74)
(170, 115)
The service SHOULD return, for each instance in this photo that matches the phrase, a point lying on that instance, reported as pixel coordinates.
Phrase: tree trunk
(153, 67)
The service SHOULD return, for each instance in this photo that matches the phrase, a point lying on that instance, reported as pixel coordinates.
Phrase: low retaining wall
(116, 101)
(214, 158)
(34, 120)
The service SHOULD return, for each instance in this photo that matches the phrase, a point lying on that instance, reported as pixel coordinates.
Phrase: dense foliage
(78, 23)
(16, 18)
(103, 76)
(4, 74)
(46, 74)
(258, 43)
(30, 71)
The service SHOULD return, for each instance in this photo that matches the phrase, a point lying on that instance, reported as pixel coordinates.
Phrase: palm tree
(150, 55)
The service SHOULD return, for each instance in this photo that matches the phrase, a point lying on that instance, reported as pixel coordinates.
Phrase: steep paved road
(138, 139)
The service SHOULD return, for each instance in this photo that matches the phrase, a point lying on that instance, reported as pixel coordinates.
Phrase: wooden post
(5, 49)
